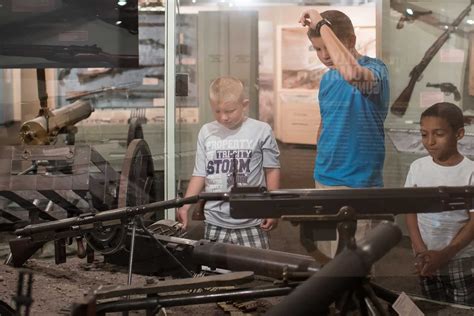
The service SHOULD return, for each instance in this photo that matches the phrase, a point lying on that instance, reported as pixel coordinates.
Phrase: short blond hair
(225, 89)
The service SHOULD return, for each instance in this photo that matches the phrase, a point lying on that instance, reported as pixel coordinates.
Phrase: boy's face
(439, 138)
(229, 113)
(322, 51)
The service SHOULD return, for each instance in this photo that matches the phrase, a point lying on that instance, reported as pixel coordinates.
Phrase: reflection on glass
(60, 33)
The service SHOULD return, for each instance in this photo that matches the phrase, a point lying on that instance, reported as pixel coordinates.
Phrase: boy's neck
(355, 53)
(452, 160)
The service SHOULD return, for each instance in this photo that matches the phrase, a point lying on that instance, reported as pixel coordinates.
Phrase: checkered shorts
(251, 237)
(453, 283)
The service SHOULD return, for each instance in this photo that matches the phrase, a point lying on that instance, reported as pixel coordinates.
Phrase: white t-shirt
(254, 148)
(439, 229)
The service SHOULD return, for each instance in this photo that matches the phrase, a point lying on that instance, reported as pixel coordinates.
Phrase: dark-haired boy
(442, 242)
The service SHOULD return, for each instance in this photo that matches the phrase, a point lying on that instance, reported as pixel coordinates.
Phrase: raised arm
(343, 58)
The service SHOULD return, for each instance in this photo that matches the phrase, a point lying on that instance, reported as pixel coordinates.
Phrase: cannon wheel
(136, 182)
(136, 179)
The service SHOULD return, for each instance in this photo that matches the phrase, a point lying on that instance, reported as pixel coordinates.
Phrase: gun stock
(22, 249)
(400, 106)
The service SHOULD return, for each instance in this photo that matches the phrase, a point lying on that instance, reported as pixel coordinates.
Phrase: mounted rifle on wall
(400, 105)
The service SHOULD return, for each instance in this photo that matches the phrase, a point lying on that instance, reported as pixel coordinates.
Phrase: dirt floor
(57, 287)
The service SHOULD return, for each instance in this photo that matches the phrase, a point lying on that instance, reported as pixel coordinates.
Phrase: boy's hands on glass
(269, 224)
(182, 216)
(310, 18)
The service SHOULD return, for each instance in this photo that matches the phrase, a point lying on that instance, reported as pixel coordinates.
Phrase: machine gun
(304, 206)
(400, 105)
(447, 88)
(74, 55)
(43, 129)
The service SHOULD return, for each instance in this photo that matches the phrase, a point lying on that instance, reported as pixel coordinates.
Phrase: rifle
(96, 73)
(74, 55)
(113, 89)
(400, 105)
(32, 237)
(410, 17)
(447, 88)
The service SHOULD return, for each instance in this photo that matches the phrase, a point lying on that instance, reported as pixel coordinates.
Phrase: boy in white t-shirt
(442, 242)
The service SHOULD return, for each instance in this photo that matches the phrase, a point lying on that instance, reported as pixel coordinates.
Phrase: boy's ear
(460, 133)
(246, 103)
(350, 41)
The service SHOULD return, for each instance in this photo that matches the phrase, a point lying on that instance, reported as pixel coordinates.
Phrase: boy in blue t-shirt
(353, 100)
(442, 242)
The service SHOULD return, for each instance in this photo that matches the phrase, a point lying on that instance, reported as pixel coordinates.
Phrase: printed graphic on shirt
(226, 161)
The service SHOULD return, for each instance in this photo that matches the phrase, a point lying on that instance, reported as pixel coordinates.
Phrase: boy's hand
(419, 262)
(310, 18)
(182, 216)
(269, 224)
(433, 260)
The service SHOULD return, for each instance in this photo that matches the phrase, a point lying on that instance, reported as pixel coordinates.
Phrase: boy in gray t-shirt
(231, 140)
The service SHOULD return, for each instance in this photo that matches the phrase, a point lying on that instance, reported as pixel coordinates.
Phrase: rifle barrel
(85, 220)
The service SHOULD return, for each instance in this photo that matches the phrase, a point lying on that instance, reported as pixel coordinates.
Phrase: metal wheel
(136, 179)
(135, 186)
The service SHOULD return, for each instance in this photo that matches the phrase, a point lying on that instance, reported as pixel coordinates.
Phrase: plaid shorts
(251, 236)
(453, 283)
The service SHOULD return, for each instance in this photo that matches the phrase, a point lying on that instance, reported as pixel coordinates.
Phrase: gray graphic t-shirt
(254, 148)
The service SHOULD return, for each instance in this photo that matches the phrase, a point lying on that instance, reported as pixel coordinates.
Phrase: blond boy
(233, 140)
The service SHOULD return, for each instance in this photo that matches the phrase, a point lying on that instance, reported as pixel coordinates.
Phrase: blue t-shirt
(351, 147)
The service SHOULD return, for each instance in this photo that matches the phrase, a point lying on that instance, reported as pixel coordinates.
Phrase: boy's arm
(344, 61)
(436, 259)
(272, 178)
(318, 135)
(196, 185)
(417, 242)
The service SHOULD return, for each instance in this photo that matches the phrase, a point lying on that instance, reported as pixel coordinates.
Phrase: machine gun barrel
(271, 263)
(374, 201)
(340, 274)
